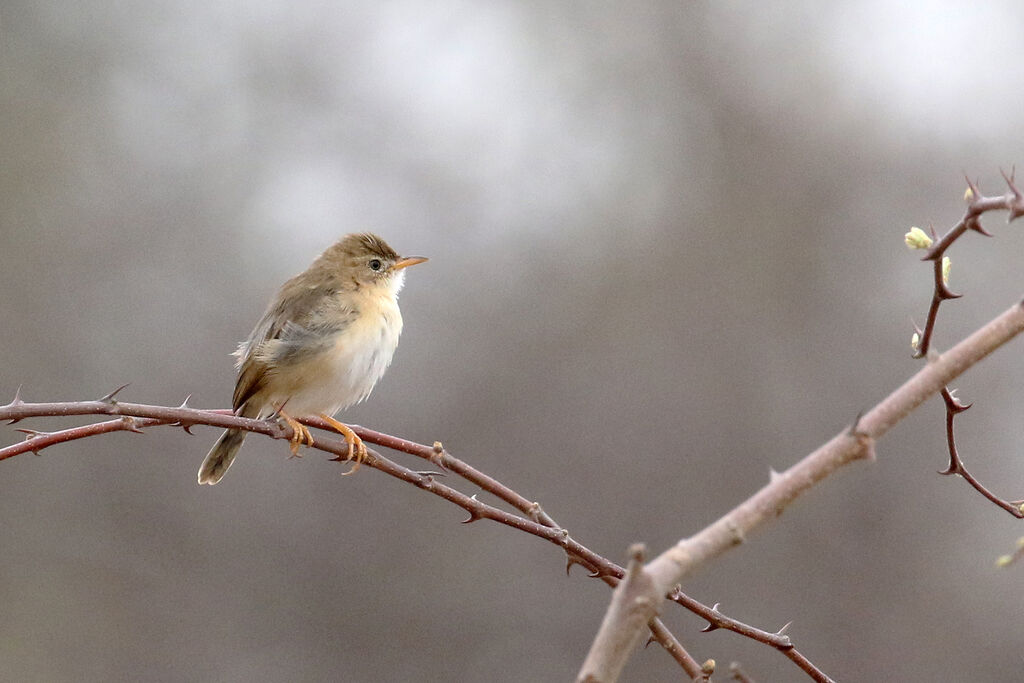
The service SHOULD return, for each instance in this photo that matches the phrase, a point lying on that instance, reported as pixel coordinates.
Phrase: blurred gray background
(666, 256)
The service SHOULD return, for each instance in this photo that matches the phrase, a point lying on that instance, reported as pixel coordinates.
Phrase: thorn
(473, 515)
(187, 426)
(773, 475)
(974, 223)
(109, 398)
(854, 428)
(16, 401)
(129, 421)
(184, 404)
(430, 473)
(650, 640)
(715, 607)
(782, 631)
(1010, 180)
(569, 562)
(710, 627)
(944, 292)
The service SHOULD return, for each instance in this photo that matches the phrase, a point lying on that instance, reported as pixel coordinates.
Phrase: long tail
(223, 453)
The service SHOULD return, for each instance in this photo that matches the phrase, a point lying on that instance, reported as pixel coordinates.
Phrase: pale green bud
(917, 239)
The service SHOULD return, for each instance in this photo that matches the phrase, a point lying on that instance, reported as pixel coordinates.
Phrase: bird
(321, 346)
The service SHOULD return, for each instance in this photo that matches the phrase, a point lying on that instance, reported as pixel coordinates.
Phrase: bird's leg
(300, 433)
(356, 447)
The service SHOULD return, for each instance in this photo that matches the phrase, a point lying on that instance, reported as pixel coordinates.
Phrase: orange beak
(408, 261)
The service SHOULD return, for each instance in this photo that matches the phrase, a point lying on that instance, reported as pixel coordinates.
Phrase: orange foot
(356, 447)
(300, 433)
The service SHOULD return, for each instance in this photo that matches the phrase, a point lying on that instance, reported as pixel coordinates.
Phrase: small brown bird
(323, 343)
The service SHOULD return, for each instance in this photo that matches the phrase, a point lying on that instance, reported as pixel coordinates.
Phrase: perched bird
(321, 346)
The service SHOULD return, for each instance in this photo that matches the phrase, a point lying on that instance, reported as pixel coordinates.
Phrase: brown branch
(135, 417)
(977, 205)
(850, 445)
(956, 464)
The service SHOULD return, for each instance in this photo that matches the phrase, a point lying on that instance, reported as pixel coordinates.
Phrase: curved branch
(136, 417)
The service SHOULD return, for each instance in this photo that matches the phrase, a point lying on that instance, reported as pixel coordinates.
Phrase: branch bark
(682, 559)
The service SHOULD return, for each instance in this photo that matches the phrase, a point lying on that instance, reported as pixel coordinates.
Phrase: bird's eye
(375, 264)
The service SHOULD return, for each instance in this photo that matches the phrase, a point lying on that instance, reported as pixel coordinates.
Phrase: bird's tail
(223, 453)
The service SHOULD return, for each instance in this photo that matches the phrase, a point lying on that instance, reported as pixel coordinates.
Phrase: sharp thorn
(782, 630)
(854, 431)
(109, 398)
(472, 518)
(1010, 180)
(710, 627)
(596, 574)
(31, 433)
(187, 427)
(184, 404)
(430, 473)
(715, 607)
(650, 640)
(976, 226)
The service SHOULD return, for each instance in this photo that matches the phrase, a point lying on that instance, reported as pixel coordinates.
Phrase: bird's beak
(408, 261)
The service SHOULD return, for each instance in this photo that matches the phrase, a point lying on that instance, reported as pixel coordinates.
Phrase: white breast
(356, 362)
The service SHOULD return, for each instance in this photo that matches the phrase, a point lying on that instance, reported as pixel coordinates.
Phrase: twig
(956, 464)
(977, 205)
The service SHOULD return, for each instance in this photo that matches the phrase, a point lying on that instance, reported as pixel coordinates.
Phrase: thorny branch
(956, 465)
(977, 204)
(857, 443)
(534, 520)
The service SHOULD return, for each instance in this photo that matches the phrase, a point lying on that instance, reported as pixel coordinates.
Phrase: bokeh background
(666, 256)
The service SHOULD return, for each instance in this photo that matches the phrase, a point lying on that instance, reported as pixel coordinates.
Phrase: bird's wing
(304, 320)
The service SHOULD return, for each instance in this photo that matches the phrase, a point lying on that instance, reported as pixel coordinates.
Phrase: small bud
(968, 195)
(708, 667)
(946, 266)
(915, 341)
(1004, 561)
(917, 239)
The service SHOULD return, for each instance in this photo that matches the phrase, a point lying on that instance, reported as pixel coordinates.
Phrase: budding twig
(977, 205)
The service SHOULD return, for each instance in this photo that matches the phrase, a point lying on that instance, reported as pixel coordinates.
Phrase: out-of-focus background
(666, 256)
